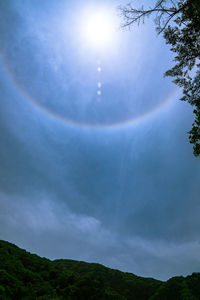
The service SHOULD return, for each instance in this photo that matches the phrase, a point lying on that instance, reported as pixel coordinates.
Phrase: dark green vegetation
(179, 21)
(28, 276)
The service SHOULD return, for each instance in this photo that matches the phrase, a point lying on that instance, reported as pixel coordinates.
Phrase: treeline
(28, 276)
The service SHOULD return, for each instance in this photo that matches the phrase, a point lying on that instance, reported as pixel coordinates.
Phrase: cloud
(126, 197)
(48, 229)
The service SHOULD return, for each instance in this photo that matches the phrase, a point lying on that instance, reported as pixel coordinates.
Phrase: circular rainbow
(52, 114)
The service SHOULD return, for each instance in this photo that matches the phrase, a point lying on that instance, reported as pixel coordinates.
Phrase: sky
(108, 178)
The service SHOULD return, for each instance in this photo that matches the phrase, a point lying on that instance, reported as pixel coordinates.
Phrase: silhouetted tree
(179, 22)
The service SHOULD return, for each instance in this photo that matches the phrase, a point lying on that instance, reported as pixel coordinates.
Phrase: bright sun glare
(98, 28)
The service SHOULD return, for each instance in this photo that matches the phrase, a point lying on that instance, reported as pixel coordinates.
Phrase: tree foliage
(27, 276)
(179, 22)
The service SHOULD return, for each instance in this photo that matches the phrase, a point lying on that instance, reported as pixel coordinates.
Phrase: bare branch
(165, 14)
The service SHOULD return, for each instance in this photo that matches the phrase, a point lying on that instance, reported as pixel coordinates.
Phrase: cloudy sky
(107, 178)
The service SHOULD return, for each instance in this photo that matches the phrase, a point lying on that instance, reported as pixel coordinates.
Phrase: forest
(27, 276)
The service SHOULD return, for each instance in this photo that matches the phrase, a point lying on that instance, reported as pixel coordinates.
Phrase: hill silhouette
(27, 276)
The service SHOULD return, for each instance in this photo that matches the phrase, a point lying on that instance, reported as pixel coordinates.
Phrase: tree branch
(132, 15)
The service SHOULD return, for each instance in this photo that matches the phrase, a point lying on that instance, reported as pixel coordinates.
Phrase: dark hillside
(28, 276)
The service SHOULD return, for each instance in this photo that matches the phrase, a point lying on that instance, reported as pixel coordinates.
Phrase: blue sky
(111, 179)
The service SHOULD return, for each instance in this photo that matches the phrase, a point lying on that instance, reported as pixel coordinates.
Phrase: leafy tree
(179, 22)
(29, 277)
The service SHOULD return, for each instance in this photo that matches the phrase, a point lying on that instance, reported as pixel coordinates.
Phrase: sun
(98, 28)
